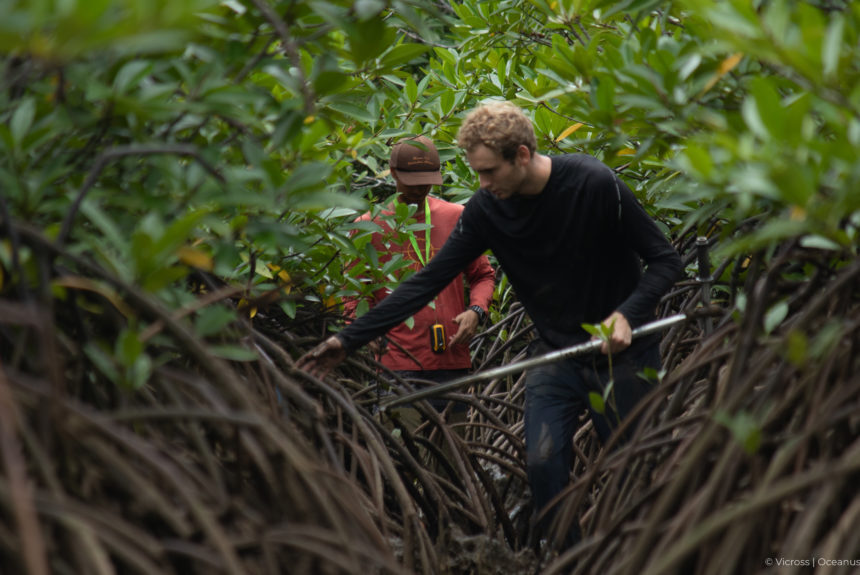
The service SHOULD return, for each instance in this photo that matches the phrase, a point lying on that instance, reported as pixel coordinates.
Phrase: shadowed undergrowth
(747, 449)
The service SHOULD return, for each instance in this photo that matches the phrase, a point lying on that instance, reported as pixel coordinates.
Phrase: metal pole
(705, 280)
(553, 356)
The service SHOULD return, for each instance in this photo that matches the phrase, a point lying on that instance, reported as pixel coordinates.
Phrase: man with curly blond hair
(572, 239)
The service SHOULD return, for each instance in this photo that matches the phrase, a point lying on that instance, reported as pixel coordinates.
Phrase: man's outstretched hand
(321, 359)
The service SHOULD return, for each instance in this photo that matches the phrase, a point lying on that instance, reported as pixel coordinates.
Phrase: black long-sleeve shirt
(573, 254)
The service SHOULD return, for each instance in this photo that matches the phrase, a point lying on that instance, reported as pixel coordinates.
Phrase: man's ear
(524, 156)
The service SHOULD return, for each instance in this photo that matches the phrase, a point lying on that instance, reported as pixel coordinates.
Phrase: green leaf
(138, 373)
(366, 9)
(699, 160)
(687, 65)
(361, 307)
(179, 232)
(289, 307)
(130, 75)
(105, 224)
(597, 402)
(234, 5)
(752, 116)
(832, 49)
(592, 329)
(101, 360)
(368, 39)
(233, 353)
(446, 55)
(330, 82)
(22, 120)
(305, 176)
(773, 231)
(774, 316)
(353, 111)
(744, 429)
(325, 200)
(213, 319)
(128, 346)
(769, 106)
(403, 53)
(796, 348)
(604, 97)
(607, 391)
(819, 243)
(826, 339)
(161, 277)
(411, 89)
(599, 330)
(651, 375)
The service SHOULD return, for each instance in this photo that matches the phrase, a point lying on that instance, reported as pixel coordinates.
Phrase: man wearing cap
(410, 352)
(578, 248)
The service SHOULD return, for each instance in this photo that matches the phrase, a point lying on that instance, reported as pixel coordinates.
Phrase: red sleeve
(482, 281)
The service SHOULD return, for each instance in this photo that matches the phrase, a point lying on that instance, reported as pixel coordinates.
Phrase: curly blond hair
(501, 126)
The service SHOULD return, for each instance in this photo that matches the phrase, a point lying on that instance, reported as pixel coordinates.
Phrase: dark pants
(556, 397)
(411, 419)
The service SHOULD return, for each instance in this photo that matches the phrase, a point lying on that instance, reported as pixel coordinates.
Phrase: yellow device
(437, 338)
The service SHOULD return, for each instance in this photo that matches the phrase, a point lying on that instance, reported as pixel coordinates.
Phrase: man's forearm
(657, 280)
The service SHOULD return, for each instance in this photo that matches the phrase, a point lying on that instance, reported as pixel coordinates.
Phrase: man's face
(412, 194)
(495, 174)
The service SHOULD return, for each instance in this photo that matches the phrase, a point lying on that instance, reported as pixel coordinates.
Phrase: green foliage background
(170, 168)
(242, 137)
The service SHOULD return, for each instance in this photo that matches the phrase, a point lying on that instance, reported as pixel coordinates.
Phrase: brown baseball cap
(416, 161)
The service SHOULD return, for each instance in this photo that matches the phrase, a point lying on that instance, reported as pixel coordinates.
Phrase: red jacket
(450, 302)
